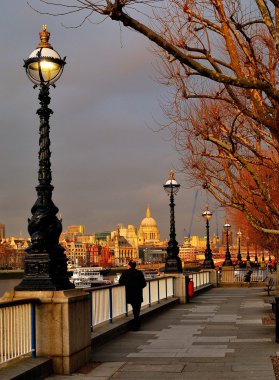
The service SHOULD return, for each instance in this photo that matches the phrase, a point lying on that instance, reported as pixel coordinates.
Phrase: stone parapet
(227, 274)
(179, 286)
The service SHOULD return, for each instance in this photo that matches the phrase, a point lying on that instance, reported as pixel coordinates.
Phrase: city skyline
(107, 161)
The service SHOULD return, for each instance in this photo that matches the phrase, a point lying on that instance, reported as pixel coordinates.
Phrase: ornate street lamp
(248, 254)
(173, 262)
(45, 261)
(256, 257)
(208, 261)
(239, 258)
(228, 261)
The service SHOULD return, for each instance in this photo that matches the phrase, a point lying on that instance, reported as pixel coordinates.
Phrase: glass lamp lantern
(207, 215)
(171, 186)
(227, 226)
(44, 65)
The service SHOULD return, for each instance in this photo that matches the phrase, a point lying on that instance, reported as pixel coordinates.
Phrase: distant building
(123, 250)
(102, 237)
(77, 253)
(187, 253)
(12, 251)
(117, 247)
(129, 233)
(79, 229)
(148, 233)
(77, 234)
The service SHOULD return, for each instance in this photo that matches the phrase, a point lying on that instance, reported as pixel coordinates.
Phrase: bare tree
(221, 58)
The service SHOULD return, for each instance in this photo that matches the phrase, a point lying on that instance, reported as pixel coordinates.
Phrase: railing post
(126, 305)
(91, 311)
(33, 329)
(166, 286)
(158, 284)
(149, 293)
(110, 305)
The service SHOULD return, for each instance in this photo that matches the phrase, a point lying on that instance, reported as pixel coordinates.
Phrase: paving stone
(218, 336)
(153, 368)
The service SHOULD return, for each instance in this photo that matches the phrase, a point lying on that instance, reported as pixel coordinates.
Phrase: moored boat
(87, 277)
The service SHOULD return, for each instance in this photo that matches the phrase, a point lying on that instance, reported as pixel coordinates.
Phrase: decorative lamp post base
(45, 273)
(208, 264)
(173, 265)
(227, 263)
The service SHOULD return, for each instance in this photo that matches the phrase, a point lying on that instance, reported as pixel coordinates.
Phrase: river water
(8, 285)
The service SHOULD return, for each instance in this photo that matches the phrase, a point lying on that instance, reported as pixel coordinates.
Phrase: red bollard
(190, 288)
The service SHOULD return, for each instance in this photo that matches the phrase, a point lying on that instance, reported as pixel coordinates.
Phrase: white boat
(87, 277)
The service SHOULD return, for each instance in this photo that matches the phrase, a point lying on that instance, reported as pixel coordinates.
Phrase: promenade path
(218, 335)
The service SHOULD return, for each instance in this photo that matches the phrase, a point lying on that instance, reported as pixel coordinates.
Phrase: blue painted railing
(17, 329)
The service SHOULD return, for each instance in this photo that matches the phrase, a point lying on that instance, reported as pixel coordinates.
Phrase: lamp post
(208, 261)
(228, 261)
(239, 258)
(45, 260)
(256, 257)
(173, 261)
(248, 255)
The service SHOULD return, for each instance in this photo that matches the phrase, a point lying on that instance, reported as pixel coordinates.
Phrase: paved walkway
(219, 335)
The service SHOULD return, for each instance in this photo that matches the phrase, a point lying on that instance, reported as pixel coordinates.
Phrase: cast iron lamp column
(45, 261)
(248, 259)
(239, 257)
(173, 261)
(256, 257)
(228, 261)
(208, 261)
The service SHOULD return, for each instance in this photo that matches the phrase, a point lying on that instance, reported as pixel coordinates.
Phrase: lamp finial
(44, 37)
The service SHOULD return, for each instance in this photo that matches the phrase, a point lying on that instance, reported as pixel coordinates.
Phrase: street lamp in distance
(173, 261)
(228, 260)
(239, 257)
(208, 261)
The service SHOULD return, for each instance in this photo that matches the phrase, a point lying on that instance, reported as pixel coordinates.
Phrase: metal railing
(257, 275)
(109, 303)
(200, 279)
(17, 329)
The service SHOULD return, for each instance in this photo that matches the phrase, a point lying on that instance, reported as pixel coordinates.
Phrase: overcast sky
(107, 163)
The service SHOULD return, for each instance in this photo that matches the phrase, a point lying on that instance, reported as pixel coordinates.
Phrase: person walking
(134, 282)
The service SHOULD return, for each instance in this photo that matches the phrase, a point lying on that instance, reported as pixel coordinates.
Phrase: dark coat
(134, 282)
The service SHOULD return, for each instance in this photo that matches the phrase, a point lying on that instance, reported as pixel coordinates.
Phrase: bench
(269, 286)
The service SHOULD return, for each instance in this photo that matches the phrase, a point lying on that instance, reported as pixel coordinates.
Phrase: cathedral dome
(148, 232)
(148, 221)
